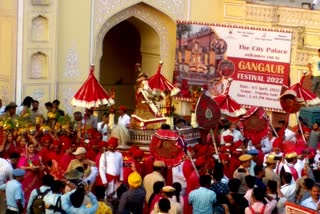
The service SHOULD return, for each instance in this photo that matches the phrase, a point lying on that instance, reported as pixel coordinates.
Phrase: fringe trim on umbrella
(236, 113)
(85, 104)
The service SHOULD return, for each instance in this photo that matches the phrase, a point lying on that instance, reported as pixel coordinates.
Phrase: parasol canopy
(229, 106)
(305, 95)
(167, 146)
(207, 112)
(255, 123)
(91, 94)
(159, 83)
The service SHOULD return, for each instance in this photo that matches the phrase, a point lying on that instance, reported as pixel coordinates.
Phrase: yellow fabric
(103, 208)
(134, 180)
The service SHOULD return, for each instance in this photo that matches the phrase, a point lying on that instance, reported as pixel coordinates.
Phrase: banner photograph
(257, 60)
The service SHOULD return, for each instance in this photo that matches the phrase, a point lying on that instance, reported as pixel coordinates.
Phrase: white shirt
(103, 131)
(289, 135)
(5, 171)
(299, 166)
(113, 165)
(309, 203)
(51, 199)
(124, 120)
(235, 133)
(177, 175)
(2, 110)
(266, 145)
(289, 191)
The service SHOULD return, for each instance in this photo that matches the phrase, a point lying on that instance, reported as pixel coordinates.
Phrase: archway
(127, 43)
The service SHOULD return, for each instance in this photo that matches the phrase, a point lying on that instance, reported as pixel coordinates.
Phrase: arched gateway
(138, 34)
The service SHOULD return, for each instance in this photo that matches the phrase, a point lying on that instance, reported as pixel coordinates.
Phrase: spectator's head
(250, 181)
(27, 101)
(134, 180)
(259, 171)
(234, 185)
(35, 105)
(11, 108)
(258, 194)
(157, 186)
(48, 106)
(165, 126)
(286, 177)
(205, 180)
(159, 165)
(47, 180)
(272, 186)
(245, 160)
(315, 192)
(58, 186)
(177, 186)
(77, 116)
(14, 158)
(55, 104)
(164, 205)
(308, 183)
(18, 174)
(77, 197)
(99, 192)
(168, 191)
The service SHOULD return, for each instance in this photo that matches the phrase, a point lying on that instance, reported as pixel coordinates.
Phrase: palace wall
(8, 47)
(56, 38)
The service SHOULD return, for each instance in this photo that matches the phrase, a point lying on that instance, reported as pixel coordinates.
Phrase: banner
(292, 208)
(257, 59)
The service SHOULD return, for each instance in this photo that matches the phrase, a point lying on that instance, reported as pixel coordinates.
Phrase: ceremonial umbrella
(91, 93)
(255, 123)
(167, 146)
(229, 106)
(305, 95)
(159, 83)
(208, 116)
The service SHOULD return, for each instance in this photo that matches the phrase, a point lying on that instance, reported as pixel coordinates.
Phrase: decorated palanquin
(147, 114)
(153, 101)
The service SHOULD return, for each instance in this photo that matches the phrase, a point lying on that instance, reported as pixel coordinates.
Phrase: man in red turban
(111, 166)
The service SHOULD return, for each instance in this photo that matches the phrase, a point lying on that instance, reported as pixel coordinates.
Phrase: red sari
(32, 179)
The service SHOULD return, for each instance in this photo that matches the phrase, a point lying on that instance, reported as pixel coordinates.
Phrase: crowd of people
(51, 163)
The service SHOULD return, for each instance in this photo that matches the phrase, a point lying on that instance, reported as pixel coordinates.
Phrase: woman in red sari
(31, 162)
(8, 145)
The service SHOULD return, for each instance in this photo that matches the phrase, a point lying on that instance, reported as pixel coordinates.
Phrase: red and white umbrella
(229, 106)
(254, 123)
(305, 95)
(91, 93)
(168, 146)
(159, 83)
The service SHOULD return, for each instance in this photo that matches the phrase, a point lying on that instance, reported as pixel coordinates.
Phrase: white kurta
(111, 163)
(103, 130)
(124, 120)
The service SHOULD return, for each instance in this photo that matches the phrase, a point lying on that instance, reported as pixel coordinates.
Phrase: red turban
(97, 134)
(102, 144)
(203, 150)
(132, 149)
(56, 142)
(113, 142)
(90, 131)
(123, 108)
(277, 143)
(138, 153)
(46, 138)
(201, 161)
